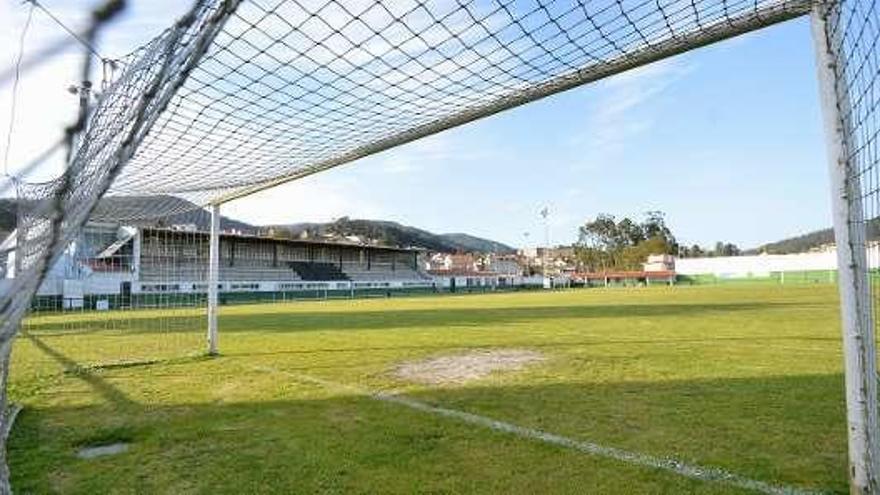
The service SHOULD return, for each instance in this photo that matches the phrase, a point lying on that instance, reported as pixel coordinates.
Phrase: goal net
(239, 96)
(123, 292)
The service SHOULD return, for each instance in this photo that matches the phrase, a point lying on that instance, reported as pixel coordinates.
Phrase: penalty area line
(687, 470)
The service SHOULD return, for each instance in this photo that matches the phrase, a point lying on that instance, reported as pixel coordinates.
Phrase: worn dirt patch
(102, 450)
(464, 367)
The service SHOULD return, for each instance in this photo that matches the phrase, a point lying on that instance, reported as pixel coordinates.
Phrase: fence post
(860, 366)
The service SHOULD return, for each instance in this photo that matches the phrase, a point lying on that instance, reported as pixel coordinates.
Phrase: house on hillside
(456, 262)
(507, 264)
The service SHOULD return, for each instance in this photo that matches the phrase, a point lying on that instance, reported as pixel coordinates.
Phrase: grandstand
(113, 265)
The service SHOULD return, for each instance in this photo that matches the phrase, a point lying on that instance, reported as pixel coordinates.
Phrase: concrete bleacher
(161, 272)
(317, 271)
(172, 255)
(287, 271)
(249, 273)
(155, 272)
(362, 274)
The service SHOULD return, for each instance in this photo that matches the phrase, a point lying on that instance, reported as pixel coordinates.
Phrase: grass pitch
(743, 379)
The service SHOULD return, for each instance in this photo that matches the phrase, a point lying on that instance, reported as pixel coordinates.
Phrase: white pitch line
(692, 471)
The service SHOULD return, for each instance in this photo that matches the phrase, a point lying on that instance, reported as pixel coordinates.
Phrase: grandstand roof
(282, 240)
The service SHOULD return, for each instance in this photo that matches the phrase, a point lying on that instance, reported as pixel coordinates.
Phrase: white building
(659, 263)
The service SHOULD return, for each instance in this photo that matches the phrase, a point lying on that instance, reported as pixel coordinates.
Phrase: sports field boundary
(684, 469)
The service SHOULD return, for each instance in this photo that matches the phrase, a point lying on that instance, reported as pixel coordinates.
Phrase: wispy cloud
(317, 199)
(622, 111)
(43, 104)
(417, 156)
(430, 153)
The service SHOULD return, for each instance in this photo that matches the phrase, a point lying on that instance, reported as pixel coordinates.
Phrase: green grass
(747, 379)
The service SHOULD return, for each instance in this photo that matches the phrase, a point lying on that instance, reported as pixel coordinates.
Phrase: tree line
(606, 243)
(721, 249)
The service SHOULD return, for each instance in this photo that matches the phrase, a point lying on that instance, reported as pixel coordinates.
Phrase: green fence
(55, 303)
(774, 278)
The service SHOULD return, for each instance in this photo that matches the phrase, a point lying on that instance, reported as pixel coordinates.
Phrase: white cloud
(621, 114)
(432, 153)
(44, 107)
(42, 104)
(417, 156)
(313, 199)
(573, 192)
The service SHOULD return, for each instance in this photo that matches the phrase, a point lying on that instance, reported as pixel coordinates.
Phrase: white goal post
(213, 279)
(857, 319)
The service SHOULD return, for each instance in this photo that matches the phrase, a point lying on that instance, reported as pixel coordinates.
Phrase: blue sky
(726, 140)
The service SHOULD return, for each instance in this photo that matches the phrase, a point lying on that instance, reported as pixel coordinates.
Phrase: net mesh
(242, 95)
(293, 87)
(120, 295)
(853, 33)
(51, 214)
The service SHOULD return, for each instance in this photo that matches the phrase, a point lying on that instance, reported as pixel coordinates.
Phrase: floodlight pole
(860, 364)
(544, 213)
(213, 278)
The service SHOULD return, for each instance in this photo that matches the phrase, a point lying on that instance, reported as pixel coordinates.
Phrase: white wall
(197, 286)
(495, 280)
(764, 264)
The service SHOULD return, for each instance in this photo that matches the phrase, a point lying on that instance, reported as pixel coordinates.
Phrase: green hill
(391, 234)
(811, 240)
(141, 210)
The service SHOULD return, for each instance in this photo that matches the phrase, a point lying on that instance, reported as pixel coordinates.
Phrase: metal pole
(213, 278)
(83, 91)
(860, 365)
(544, 213)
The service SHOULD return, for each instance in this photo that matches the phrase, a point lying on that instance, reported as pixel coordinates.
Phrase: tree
(725, 249)
(597, 242)
(605, 243)
(721, 249)
(629, 233)
(601, 233)
(731, 250)
(655, 226)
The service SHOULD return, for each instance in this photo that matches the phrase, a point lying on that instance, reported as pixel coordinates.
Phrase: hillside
(476, 244)
(142, 209)
(391, 234)
(811, 240)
